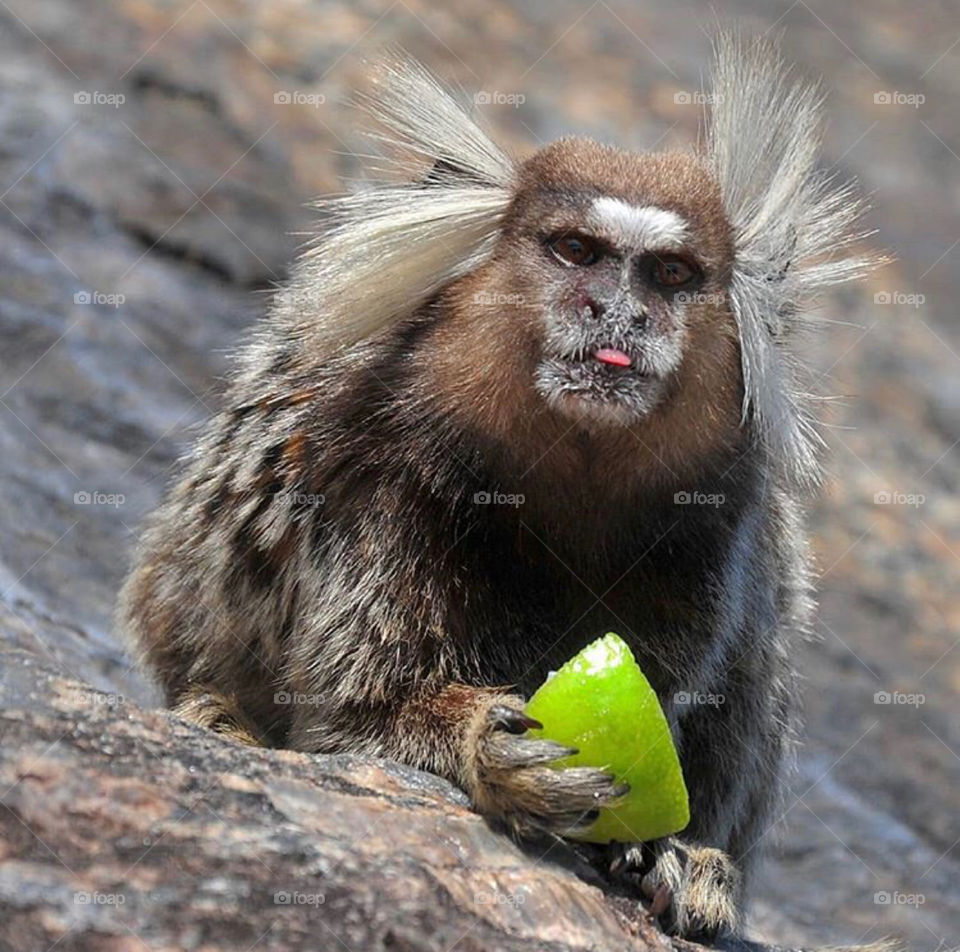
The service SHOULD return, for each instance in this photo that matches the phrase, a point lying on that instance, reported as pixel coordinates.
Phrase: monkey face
(629, 258)
(614, 321)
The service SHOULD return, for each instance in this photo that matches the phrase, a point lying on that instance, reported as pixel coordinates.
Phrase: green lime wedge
(600, 703)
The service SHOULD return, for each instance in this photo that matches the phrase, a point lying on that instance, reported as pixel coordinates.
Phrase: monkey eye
(671, 271)
(577, 250)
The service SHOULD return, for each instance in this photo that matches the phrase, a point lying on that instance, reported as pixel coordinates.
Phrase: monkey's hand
(510, 778)
(693, 890)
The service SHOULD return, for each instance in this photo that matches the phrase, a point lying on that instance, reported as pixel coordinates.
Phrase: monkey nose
(590, 309)
(640, 319)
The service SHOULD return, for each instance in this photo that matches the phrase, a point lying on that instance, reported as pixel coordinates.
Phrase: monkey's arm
(471, 734)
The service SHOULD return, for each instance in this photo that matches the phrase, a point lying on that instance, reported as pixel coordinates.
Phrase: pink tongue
(607, 355)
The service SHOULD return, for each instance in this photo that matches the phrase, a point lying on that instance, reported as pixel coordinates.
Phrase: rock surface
(126, 829)
(135, 237)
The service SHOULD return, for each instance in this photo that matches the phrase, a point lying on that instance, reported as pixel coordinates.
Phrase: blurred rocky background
(155, 162)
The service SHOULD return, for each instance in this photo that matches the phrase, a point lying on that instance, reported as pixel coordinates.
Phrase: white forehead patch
(638, 226)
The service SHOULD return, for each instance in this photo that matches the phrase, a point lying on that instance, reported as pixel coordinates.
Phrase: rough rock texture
(135, 241)
(126, 829)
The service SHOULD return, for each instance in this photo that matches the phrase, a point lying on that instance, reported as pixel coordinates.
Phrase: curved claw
(660, 900)
(511, 720)
(620, 791)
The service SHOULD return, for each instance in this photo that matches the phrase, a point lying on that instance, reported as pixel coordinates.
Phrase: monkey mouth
(605, 361)
(611, 385)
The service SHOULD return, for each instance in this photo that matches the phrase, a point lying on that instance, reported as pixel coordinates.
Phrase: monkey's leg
(732, 767)
(693, 889)
(208, 708)
(477, 737)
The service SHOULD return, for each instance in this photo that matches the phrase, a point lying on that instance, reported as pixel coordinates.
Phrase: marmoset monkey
(498, 411)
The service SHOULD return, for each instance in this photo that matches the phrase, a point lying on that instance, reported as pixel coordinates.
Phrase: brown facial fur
(482, 355)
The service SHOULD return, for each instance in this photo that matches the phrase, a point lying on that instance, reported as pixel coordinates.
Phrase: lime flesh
(600, 703)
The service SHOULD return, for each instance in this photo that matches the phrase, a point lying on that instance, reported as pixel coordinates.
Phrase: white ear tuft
(793, 231)
(423, 119)
(393, 246)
